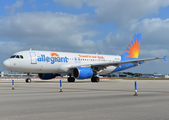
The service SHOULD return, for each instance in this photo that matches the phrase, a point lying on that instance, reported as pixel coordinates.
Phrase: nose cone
(6, 64)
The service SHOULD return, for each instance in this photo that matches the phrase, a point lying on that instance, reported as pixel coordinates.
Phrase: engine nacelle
(82, 72)
(46, 76)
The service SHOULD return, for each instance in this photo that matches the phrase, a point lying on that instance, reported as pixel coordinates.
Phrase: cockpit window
(21, 56)
(13, 56)
(17, 56)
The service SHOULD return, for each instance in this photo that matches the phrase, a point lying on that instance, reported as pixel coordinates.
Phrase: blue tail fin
(134, 47)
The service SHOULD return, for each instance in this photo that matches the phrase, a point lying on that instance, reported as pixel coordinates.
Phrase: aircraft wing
(117, 64)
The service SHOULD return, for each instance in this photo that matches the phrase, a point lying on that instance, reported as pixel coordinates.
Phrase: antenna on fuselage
(30, 49)
(96, 53)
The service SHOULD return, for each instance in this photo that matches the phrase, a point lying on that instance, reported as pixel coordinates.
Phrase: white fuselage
(55, 62)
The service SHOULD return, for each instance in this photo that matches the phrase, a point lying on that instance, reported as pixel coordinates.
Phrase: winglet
(164, 58)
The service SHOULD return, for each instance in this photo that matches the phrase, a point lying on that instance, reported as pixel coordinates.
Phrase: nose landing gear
(28, 80)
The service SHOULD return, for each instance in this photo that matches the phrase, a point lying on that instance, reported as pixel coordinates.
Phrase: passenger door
(33, 57)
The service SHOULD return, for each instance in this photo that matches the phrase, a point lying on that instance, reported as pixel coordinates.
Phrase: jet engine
(82, 72)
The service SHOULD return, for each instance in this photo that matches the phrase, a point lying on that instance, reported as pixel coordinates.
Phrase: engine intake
(82, 72)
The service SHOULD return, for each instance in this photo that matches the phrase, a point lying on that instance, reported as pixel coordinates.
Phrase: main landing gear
(95, 79)
(28, 80)
(71, 79)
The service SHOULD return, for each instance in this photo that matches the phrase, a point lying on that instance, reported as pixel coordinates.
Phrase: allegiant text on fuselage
(52, 59)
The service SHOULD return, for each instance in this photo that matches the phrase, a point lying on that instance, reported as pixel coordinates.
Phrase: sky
(87, 26)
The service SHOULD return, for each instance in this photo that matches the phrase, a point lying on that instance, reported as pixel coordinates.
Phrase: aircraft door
(33, 57)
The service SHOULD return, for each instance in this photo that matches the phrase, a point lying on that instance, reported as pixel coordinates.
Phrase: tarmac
(83, 100)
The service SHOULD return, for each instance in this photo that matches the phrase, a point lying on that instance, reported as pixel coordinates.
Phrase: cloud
(53, 31)
(154, 43)
(154, 35)
(13, 45)
(124, 12)
(119, 11)
(7, 48)
(67, 32)
(13, 7)
(75, 3)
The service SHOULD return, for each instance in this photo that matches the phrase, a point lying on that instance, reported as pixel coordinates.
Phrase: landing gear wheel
(95, 79)
(71, 79)
(28, 80)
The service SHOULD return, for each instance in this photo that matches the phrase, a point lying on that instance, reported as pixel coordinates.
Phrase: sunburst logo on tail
(133, 49)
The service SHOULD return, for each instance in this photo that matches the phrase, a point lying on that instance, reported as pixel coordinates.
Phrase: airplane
(49, 64)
